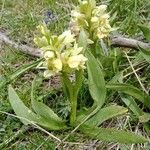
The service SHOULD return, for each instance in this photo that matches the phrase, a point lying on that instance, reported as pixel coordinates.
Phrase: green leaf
(132, 91)
(143, 117)
(112, 135)
(146, 32)
(44, 111)
(20, 109)
(18, 72)
(25, 114)
(118, 77)
(96, 85)
(95, 80)
(105, 114)
(132, 105)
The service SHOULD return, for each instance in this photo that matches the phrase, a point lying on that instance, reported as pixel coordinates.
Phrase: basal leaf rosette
(61, 53)
(93, 19)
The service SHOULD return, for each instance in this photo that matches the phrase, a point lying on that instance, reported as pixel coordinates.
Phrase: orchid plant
(69, 53)
(63, 55)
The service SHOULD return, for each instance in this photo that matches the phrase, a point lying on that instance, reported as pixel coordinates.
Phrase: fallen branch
(119, 41)
(23, 48)
(116, 41)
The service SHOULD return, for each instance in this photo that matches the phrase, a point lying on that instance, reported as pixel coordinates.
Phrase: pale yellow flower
(104, 20)
(66, 37)
(76, 50)
(84, 2)
(49, 55)
(76, 14)
(57, 65)
(77, 61)
(94, 19)
(99, 10)
(102, 32)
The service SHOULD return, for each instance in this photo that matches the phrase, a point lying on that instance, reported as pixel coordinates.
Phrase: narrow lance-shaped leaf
(96, 84)
(142, 116)
(20, 109)
(132, 105)
(25, 114)
(132, 91)
(96, 80)
(112, 135)
(44, 111)
(105, 114)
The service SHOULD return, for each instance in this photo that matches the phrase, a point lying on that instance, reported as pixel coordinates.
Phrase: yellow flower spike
(94, 22)
(60, 53)
(73, 62)
(102, 32)
(94, 19)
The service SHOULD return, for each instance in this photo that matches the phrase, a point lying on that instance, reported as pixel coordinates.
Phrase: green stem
(73, 113)
(73, 90)
(76, 88)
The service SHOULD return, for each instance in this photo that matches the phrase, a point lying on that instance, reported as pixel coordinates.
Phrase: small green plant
(73, 52)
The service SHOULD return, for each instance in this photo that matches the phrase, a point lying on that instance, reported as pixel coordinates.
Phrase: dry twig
(116, 41)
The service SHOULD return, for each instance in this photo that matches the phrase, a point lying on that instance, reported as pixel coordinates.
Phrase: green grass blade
(18, 72)
(145, 54)
(146, 32)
